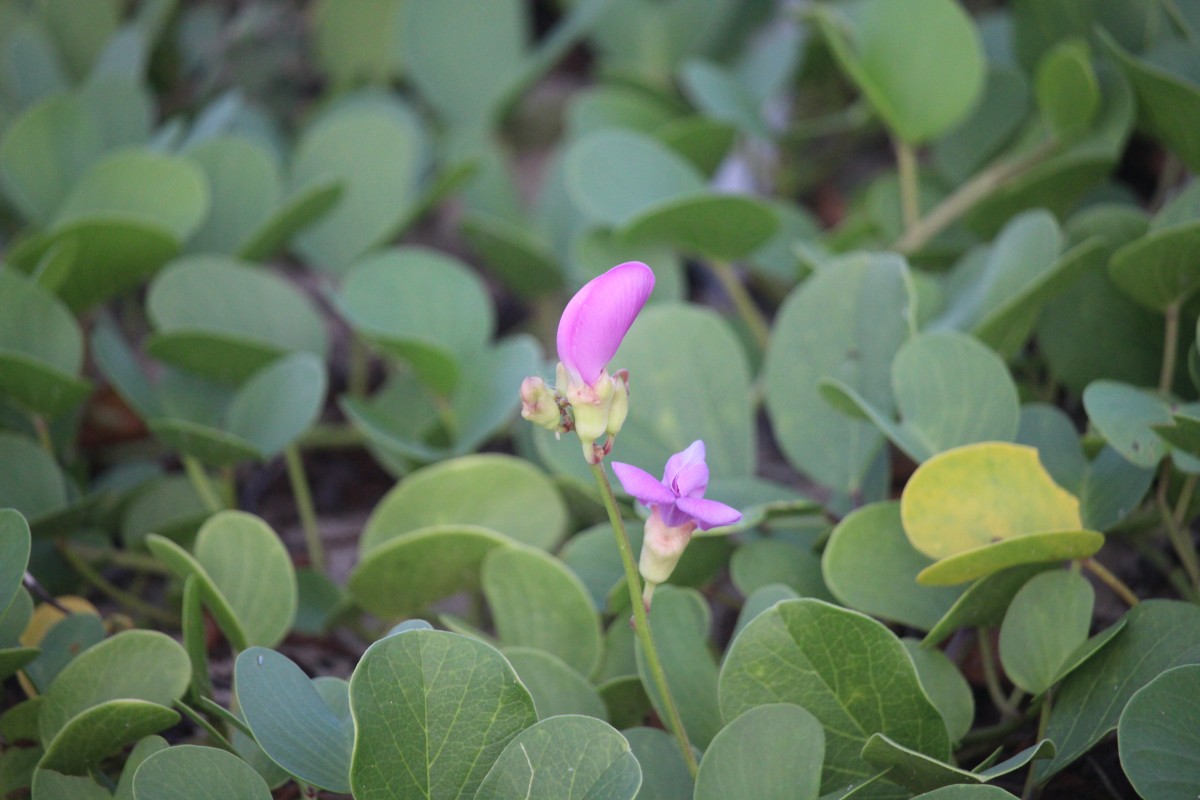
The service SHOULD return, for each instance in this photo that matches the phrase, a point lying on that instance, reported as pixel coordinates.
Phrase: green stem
(1030, 790)
(102, 584)
(642, 619)
(359, 377)
(910, 184)
(1166, 374)
(121, 558)
(1185, 548)
(760, 329)
(215, 736)
(987, 657)
(218, 711)
(43, 434)
(304, 506)
(203, 484)
(967, 195)
(1120, 589)
(331, 437)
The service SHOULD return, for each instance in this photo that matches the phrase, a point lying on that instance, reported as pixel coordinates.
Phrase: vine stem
(1030, 789)
(43, 434)
(988, 659)
(203, 484)
(305, 507)
(1180, 540)
(910, 184)
(102, 584)
(967, 195)
(1111, 581)
(642, 619)
(760, 329)
(1166, 374)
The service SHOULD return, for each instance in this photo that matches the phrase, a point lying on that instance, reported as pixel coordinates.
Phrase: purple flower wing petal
(686, 473)
(598, 317)
(708, 513)
(641, 484)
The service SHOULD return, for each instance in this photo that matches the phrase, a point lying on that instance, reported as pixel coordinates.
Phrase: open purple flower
(598, 317)
(677, 508)
(679, 496)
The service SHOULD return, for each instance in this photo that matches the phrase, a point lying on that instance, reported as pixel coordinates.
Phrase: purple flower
(598, 317)
(678, 499)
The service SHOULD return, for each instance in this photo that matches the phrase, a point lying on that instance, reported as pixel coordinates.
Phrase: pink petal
(598, 317)
(641, 484)
(708, 513)
(686, 473)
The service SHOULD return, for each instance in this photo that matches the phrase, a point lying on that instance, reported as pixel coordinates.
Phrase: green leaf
(771, 561)
(984, 602)
(681, 621)
(1159, 269)
(301, 209)
(44, 152)
(115, 669)
(421, 306)
(68, 637)
(513, 253)
(850, 671)
(1046, 622)
(208, 313)
(946, 687)
(1127, 417)
(1067, 92)
(169, 506)
(102, 730)
(14, 554)
(949, 391)
(563, 758)
(1158, 635)
(141, 751)
(1157, 729)
(407, 574)
(720, 95)
(30, 480)
(664, 772)
(536, 601)
(845, 322)
(555, 687)
(41, 348)
(246, 185)
(358, 42)
(918, 772)
(761, 600)
(52, 785)
(190, 772)
(378, 154)
(291, 721)
(869, 565)
(500, 492)
(1166, 101)
(887, 54)
(772, 752)
(992, 124)
(717, 226)
(278, 403)
(417, 734)
(614, 176)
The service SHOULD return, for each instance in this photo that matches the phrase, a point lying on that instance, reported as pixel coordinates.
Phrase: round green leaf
(115, 669)
(770, 561)
(421, 306)
(1159, 738)
(772, 752)
(1066, 89)
(506, 494)
(664, 772)
(536, 601)
(720, 95)
(1031, 548)
(278, 403)
(1160, 268)
(949, 389)
(204, 443)
(946, 687)
(1126, 417)
(1046, 622)
(246, 186)
(405, 575)
(378, 153)
(869, 565)
(556, 689)
(681, 621)
(845, 322)
(889, 55)
(14, 554)
(190, 772)
(850, 671)
(720, 226)
(30, 479)
(59, 645)
(44, 152)
(565, 758)
(432, 712)
(55, 786)
(169, 506)
(221, 300)
(248, 564)
(102, 730)
(41, 348)
(760, 601)
(301, 209)
(614, 176)
(290, 720)
(357, 41)
(513, 253)
(1000, 112)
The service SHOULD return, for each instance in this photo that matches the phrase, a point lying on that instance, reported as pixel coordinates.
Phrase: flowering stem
(642, 619)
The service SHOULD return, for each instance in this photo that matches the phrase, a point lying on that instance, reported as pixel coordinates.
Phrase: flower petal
(708, 513)
(686, 473)
(641, 484)
(598, 317)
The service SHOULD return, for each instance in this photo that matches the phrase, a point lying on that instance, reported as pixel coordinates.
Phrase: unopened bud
(539, 404)
(590, 406)
(620, 402)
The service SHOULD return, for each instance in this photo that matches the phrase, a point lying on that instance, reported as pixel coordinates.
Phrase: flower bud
(662, 547)
(539, 404)
(620, 402)
(591, 406)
